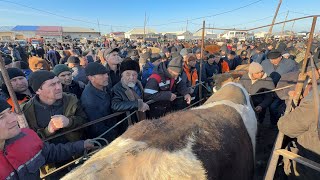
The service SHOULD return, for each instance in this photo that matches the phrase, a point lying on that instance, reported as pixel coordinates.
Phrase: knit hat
(59, 68)
(184, 52)
(274, 54)
(4, 105)
(15, 72)
(73, 59)
(95, 68)
(255, 67)
(129, 65)
(37, 78)
(7, 60)
(176, 64)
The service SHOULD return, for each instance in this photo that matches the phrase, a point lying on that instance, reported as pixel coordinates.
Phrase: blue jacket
(146, 72)
(79, 74)
(211, 70)
(97, 104)
(233, 63)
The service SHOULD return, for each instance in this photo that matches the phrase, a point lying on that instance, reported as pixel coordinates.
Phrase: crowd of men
(61, 86)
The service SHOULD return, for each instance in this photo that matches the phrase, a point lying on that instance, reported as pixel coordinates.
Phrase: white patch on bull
(246, 112)
(115, 162)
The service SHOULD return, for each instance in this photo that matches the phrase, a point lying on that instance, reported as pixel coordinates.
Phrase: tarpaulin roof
(25, 28)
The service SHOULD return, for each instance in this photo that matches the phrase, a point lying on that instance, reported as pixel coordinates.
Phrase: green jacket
(71, 109)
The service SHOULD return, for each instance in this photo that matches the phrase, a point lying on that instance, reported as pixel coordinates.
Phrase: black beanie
(15, 72)
(129, 65)
(37, 78)
(4, 105)
(95, 68)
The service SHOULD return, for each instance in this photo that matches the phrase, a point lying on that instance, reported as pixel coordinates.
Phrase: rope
(274, 90)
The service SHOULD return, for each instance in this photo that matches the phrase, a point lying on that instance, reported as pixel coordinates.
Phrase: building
(117, 35)
(77, 33)
(6, 33)
(138, 34)
(180, 35)
(26, 31)
(240, 35)
(207, 35)
(50, 34)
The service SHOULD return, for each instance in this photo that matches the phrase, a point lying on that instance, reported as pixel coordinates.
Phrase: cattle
(213, 141)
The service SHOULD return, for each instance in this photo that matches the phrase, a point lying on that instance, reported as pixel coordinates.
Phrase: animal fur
(210, 142)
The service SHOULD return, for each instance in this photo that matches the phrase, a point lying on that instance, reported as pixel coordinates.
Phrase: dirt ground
(266, 137)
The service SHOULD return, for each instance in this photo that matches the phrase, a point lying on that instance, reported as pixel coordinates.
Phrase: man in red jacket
(22, 152)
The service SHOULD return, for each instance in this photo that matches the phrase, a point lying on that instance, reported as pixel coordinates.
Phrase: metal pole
(274, 18)
(201, 59)
(284, 24)
(21, 119)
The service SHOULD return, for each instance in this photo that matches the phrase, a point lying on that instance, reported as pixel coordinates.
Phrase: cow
(213, 141)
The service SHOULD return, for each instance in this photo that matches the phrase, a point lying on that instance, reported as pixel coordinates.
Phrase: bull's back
(195, 144)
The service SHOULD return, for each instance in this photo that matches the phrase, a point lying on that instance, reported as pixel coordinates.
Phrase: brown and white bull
(213, 141)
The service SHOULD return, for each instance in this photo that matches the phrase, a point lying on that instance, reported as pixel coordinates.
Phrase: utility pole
(284, 24)
(274, 19)
(99, 26)
(292, 26)
(144, 26)
(187, 25)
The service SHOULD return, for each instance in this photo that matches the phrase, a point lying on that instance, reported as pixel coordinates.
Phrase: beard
(131, 84)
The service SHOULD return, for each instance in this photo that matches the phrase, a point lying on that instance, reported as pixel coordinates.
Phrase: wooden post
(201, 60)
(300, 83)
(302, 77)
(274, 19)
(284, 24)
(21, 119)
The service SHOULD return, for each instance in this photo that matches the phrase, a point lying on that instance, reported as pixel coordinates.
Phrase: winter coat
(260, 85)
(258, 58)
(76, 88)
(24, 154)
(114, 77)
(146, 72)
(211, 69)
(301, 124)
(233, 63)
(97, 104)
(71, 109)
(287, 79)
(203, 72)
(126, 99)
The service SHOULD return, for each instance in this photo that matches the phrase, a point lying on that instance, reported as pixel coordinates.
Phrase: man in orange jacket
(20, 87)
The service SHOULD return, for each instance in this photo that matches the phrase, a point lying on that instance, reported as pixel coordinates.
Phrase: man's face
(270, 47)
(65, 77)
(8, 125)
(168, 54)
(83, 61)
(222, 53)
(198, 55)
(173, 74)
(217, 59)
(192, 63)
(130, 78)
(211, 60)
(230, 56)
(114, 58)
(51, 89)
(275, 61)
(258, 75)
(100, 79)
(19, 84)
(144, 50)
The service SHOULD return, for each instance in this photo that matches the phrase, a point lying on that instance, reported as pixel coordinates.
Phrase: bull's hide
(209, 142)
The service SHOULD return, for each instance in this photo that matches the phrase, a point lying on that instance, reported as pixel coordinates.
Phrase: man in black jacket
(128, 93)
(68, 85)
(257, 81)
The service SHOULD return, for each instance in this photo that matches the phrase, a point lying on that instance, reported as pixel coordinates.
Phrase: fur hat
(129, 65)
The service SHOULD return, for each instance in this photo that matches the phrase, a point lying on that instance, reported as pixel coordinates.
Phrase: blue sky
(124, 15)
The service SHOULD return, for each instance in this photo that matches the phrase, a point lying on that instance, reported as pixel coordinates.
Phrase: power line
(58, 15)
(213, 15)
